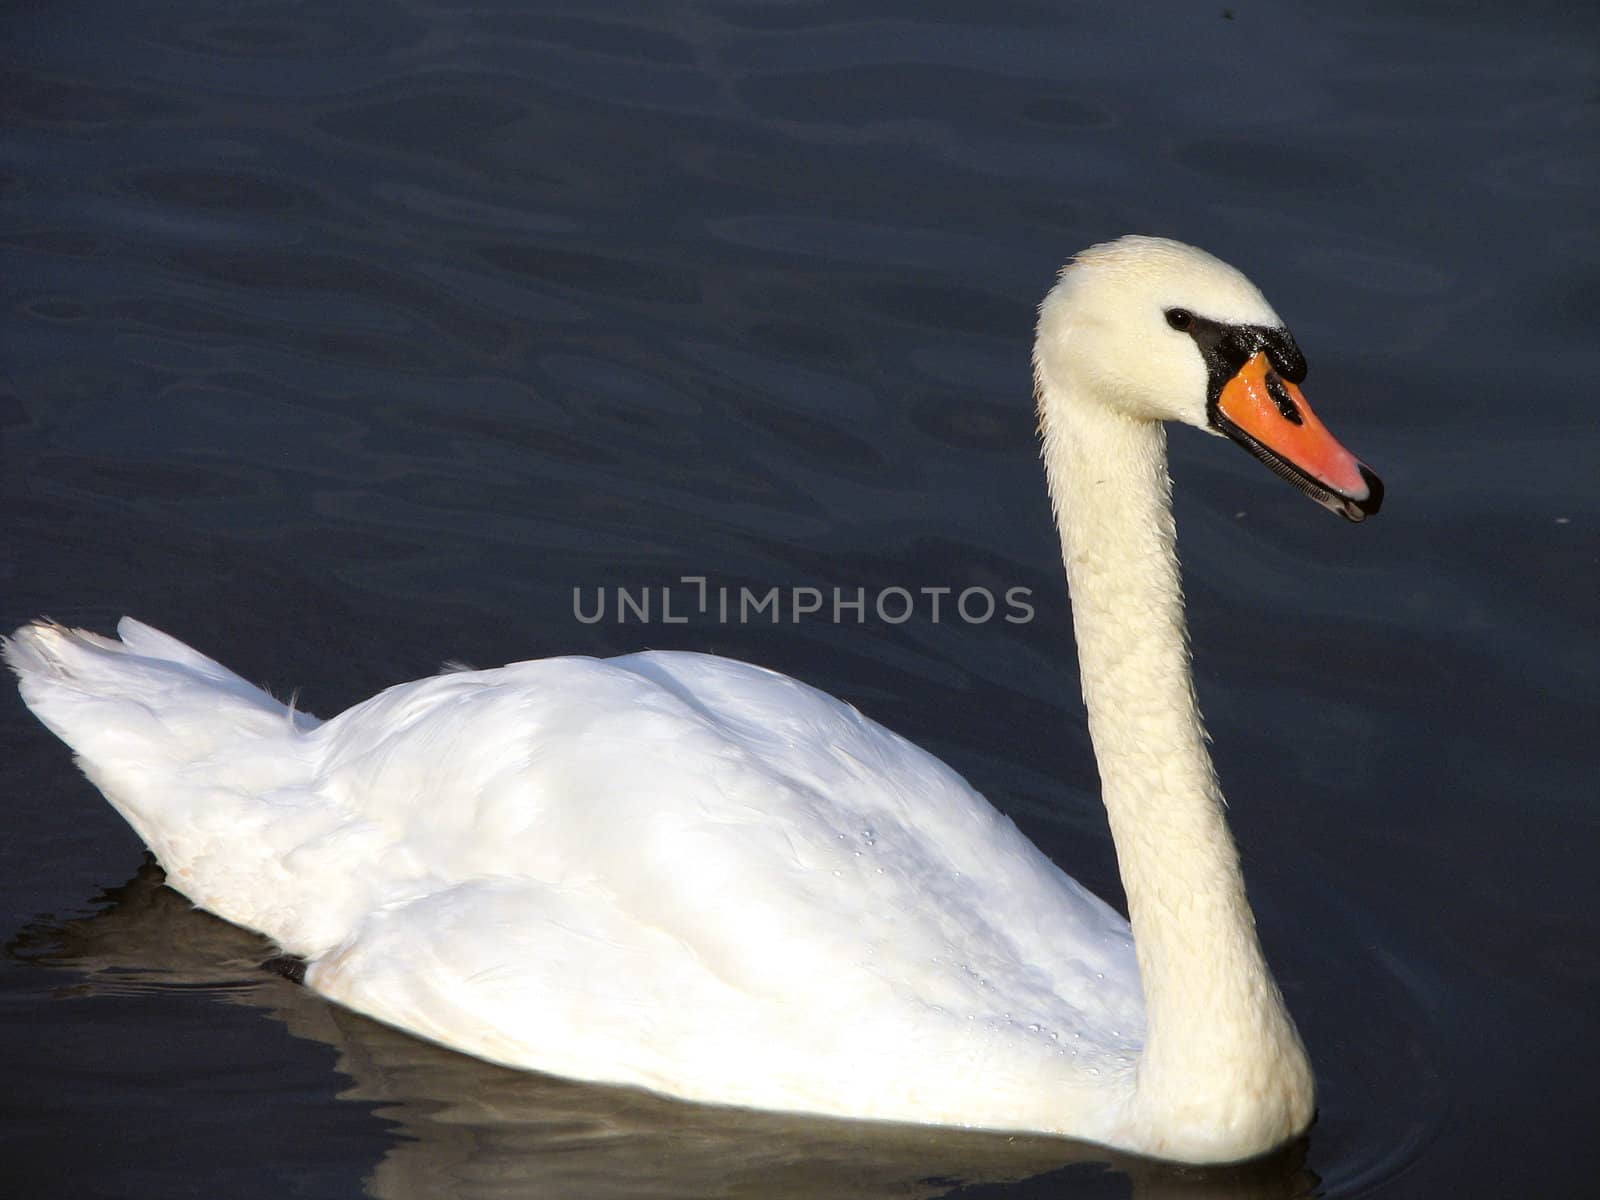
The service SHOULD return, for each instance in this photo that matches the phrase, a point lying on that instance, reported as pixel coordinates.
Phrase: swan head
(1160, 331)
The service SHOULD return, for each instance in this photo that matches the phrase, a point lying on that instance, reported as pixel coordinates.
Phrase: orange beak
(1268, 416)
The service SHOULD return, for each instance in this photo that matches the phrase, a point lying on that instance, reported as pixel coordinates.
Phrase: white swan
(698, 876)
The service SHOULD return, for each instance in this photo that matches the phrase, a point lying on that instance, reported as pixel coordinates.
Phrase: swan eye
(1180, 319)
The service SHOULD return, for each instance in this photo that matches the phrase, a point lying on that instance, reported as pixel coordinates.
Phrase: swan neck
(1216, 1027)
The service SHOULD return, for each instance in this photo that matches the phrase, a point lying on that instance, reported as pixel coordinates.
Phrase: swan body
(694, 875)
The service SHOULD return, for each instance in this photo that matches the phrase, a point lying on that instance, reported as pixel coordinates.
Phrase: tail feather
(89, 689)
(149, 642)
(187, 751)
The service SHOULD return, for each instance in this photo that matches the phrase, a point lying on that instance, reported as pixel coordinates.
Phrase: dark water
(343, 339)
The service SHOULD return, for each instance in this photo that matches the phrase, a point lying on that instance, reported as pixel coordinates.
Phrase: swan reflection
(470, 1130)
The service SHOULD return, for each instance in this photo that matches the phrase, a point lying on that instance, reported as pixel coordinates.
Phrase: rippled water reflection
(344, 339)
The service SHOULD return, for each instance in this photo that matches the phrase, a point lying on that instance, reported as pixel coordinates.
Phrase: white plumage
(699, 876)
(668, 869)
